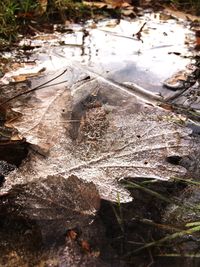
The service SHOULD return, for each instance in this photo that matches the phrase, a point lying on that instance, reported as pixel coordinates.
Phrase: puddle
(114, 51)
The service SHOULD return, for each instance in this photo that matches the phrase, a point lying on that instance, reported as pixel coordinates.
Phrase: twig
(139, 33)
(41, 86)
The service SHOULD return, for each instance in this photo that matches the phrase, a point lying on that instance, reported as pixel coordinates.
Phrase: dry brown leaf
(85, 246)
(22, 78)
(42, 6)
(72, 234)
(94, 4)
(16, 137)
(25, 76)
(117, 3)
(175, 82)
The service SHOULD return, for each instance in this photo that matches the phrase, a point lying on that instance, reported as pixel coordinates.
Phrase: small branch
(139, 33)
(41, 86)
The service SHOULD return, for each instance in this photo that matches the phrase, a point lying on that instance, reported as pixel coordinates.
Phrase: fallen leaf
(117, 3)
(72, 234)
(94, 4)
(85, 246)
(98, 131)
(56, 203)
(128, 12)
(175, 82)
(16, 137)
(23, 76)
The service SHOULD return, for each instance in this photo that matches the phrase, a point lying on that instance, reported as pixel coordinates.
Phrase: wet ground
(115, 70)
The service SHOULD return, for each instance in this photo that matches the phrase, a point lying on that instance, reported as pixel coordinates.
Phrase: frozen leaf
(99, 131)
(63, 203)
(56, 198)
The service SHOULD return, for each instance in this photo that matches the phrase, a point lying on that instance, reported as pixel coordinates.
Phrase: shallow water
(113, 50)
